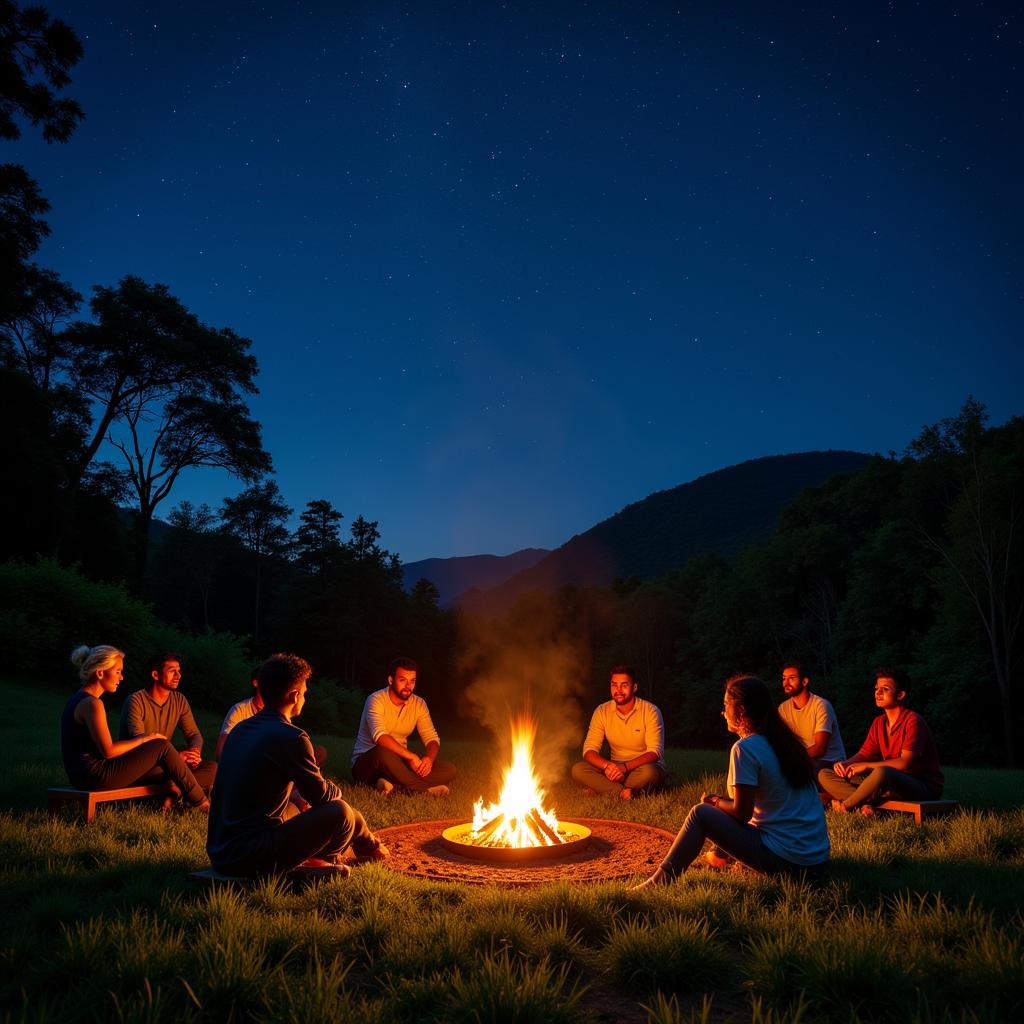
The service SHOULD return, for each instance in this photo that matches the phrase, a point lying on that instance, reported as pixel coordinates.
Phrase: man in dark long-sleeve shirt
(263, 758)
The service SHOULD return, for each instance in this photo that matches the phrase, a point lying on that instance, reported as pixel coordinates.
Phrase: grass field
(100, 923)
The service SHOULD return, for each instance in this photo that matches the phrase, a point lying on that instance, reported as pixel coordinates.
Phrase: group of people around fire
(271, 809)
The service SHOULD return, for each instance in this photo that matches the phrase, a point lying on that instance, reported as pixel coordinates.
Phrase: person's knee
(826, 776)
(579, 772)
(647, 776)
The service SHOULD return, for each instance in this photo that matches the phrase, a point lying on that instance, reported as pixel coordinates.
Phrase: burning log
(489, 829)
(531, 826)
(540, 824)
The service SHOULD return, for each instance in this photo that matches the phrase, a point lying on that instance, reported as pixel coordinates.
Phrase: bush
(47, 610)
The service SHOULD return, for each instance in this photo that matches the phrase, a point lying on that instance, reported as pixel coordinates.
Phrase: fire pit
(517, 828)
(519, 841)
(459, 839)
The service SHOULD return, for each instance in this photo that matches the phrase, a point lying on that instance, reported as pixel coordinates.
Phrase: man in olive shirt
(635, 733)
(249, 832)
(162, 708)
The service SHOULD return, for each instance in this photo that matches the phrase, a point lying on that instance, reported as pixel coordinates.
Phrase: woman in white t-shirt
(772, 820)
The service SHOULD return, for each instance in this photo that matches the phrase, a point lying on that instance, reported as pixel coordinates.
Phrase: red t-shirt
(909, 732)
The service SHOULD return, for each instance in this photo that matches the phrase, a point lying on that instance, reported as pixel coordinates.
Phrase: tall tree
(257, 518)
(979, 481)
(169, 392)
(318, 538)
(37, 53)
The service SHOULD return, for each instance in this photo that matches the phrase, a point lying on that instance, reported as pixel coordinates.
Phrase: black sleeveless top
(77, 747)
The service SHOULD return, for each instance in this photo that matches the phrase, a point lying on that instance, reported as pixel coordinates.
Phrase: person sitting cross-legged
(267, 755)
(381, 756)
(92, 759)
(635, 733)
(772, 821)
(898, 757)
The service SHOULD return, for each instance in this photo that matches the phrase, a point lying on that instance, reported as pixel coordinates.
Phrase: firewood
(535, 817)
(488, 830)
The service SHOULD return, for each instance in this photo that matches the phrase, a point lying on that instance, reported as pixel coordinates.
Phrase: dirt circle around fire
(616, 850)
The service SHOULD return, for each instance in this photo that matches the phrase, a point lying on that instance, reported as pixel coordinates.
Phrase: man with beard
(635, 733)
(161, 707)
(381, 756)
(811, 718)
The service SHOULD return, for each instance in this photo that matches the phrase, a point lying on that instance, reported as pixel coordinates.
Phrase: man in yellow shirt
(635, 734)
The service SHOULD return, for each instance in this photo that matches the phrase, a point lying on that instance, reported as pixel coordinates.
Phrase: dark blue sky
(508, 268)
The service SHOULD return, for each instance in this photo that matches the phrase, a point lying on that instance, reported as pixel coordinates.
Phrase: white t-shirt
(817, 715)
(791, 821)
(239, 713)
(382, 716)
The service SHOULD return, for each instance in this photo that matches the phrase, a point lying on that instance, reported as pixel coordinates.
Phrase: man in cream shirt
(381, 756)
(635, 733)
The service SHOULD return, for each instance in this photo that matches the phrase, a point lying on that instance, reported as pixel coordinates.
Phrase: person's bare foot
(658, 879)
(438, 790)
(867, 810)
(716, 861)
(203, 807)
(625, 793)
(384, 787)
(839, 807)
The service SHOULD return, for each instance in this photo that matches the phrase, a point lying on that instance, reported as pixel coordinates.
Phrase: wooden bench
(920, 809)
(64, 796)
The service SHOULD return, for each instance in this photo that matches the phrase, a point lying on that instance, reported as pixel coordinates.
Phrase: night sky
(509, 267)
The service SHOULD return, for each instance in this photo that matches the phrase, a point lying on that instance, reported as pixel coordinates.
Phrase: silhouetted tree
(173, 384)
(37, 53)
(317, 540)
(257, 517)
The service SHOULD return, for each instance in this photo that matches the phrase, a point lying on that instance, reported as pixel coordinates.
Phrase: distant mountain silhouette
(720, 512)
(455, 576)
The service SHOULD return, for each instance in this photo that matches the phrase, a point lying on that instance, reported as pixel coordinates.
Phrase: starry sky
(510, 267)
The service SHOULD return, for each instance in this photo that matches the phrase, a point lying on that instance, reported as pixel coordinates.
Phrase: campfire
(518, 824)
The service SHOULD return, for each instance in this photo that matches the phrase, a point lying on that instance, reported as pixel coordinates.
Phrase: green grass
(913, 924)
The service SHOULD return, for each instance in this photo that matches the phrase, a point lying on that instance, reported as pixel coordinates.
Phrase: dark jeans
(326, 831)
(874, 786)
(204, 773)
(735, 838)
(151, 762)
(383, 764)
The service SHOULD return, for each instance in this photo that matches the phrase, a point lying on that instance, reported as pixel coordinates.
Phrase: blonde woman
(95, 761)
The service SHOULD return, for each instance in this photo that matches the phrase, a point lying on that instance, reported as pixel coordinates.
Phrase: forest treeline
(914, 560)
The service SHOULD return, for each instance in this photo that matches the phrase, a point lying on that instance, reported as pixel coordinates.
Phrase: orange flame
(520, 795)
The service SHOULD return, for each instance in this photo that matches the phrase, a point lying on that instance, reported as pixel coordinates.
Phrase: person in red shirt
(897, 759)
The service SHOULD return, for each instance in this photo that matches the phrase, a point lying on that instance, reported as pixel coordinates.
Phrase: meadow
(101, 924)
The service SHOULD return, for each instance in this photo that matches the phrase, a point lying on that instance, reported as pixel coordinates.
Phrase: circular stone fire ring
(455, 841)
(616, 850)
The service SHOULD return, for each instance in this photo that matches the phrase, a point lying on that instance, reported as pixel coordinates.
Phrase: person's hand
(857, 769)
(613, 772)
(710, 798)
(414, 762)
(841, 769)
(191, 757)
(424, 768)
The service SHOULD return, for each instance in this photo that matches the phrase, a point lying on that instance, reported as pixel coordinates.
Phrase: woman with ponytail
(92, 759)
(772, 820)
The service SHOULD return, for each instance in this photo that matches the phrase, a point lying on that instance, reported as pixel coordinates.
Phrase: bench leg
(90, 809)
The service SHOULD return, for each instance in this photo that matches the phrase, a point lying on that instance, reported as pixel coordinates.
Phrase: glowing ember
(519, 819)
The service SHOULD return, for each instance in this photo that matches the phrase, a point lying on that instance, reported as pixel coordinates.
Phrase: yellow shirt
(630, 735)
